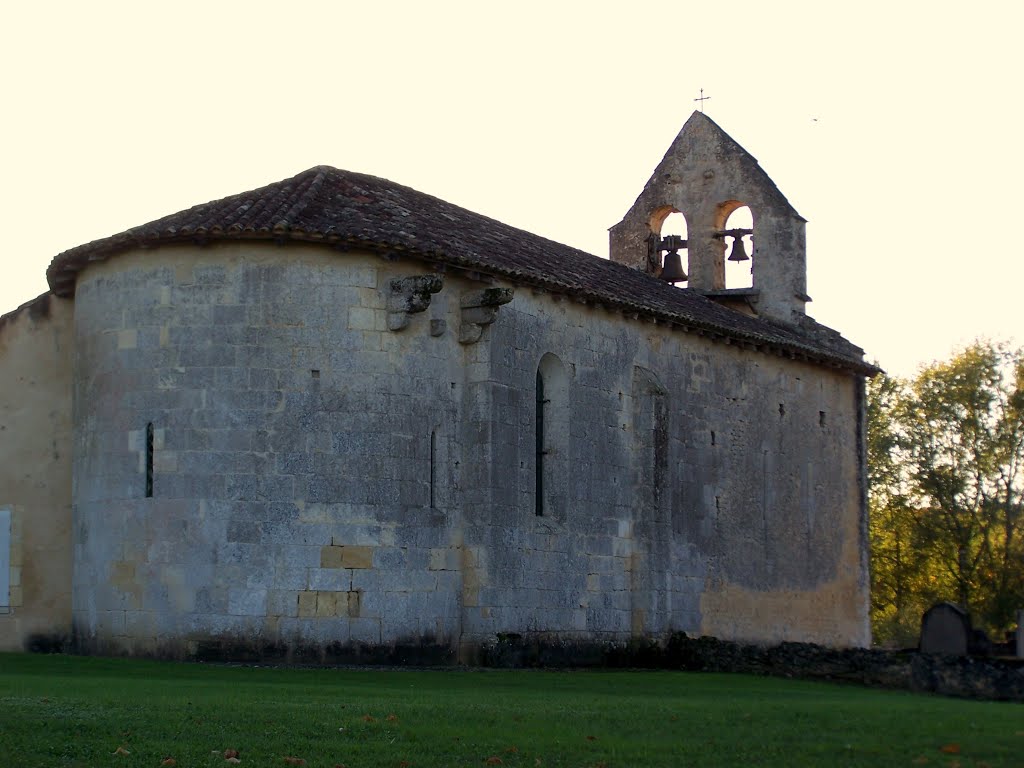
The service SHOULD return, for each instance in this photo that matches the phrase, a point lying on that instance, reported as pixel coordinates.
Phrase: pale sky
(893, 127)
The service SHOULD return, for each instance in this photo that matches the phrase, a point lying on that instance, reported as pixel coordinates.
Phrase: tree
(895, 564)
(946, 471)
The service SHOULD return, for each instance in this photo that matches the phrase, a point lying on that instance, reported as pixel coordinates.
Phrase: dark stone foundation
(974, 677)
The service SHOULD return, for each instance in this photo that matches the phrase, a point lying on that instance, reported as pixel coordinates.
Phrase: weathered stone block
(333, 579)
(282, 602)
(330, 557)
(290, 578)
(247, 602)
(127, 339)
(140, 623)
(354, 603)
(391, 558)
(307, 604)
(438, 559)
(357, 557)
(361, 319)
(327, 604)
(122, 574)
(365, 630)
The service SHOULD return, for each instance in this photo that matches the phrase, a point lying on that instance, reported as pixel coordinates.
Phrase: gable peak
(704, 177)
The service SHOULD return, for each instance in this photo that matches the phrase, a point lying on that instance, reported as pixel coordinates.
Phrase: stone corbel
(479, 309)
(408, 296)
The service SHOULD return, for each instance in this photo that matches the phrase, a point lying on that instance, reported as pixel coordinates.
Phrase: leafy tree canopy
(946, 475)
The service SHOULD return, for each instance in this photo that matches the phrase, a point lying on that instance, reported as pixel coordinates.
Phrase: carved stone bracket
(479, 309)
(408, 296)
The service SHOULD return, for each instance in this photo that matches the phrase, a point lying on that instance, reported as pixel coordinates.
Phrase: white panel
(5, 558)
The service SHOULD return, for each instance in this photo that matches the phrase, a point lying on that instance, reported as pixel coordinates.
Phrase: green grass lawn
(69, 711)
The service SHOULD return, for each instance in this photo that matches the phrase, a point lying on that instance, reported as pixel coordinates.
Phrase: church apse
(292, 424)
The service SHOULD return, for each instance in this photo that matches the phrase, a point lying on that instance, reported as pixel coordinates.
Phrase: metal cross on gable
(702, 99)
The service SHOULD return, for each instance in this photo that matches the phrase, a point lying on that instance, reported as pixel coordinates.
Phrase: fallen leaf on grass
(591, 738)
(510, 750)
(121, 751)
(391, 719)
(493, 761)
(950, 749)
(168, 762)
(295, 761)
(229, 753)
(369, 719)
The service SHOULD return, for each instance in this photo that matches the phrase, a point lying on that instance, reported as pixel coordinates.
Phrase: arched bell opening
(668, 245)
(735, 231)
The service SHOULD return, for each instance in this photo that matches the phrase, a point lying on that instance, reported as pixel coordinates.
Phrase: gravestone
(945, 629)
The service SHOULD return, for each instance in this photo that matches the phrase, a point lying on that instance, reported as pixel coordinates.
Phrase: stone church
(335, 416)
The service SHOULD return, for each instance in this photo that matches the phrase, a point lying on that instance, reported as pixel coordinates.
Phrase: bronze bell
(673, 272)
(739, 251)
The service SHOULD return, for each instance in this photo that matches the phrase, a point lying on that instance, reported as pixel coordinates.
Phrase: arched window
(736, 229)
(432, 476)
(551, 438)
(650, 438)
(149, 460)
(668, 245)
(539, 438)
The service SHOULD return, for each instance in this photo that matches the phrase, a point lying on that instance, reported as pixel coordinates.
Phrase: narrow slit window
(539, 437)
(433, 469)
(149, 460)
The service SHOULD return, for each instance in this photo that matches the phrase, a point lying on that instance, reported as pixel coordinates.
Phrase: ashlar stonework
(335, 415)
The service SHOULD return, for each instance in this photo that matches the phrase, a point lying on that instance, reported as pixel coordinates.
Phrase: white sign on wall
(5, 559)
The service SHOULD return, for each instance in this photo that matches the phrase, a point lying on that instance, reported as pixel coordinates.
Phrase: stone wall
(971, 677)
(320, 481)
(35, 474)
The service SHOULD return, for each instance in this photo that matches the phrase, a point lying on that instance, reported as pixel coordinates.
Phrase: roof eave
(62, 280)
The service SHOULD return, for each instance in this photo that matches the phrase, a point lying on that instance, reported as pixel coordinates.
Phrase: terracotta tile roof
(352, 210)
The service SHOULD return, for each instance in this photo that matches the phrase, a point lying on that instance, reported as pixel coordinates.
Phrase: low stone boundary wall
(996, 678)
(974, 677)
